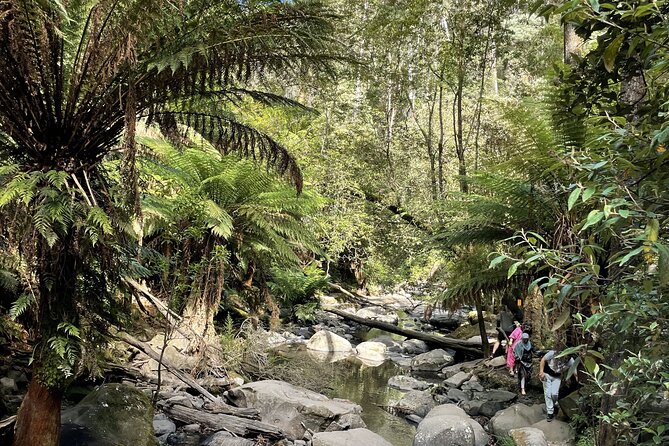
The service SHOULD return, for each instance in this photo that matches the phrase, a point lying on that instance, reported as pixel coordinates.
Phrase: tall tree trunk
(571, 43)
(38, 420)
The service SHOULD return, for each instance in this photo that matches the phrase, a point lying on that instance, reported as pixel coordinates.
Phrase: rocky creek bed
(399, 392)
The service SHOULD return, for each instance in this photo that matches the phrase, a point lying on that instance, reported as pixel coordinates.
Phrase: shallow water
(366, 386)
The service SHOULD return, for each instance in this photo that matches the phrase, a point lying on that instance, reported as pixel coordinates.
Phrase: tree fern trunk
(38, 420)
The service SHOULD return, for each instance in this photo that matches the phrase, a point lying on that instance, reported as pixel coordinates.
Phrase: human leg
(548, 399)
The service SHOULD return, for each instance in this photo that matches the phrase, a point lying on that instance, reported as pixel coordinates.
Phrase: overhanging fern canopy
(74, 75)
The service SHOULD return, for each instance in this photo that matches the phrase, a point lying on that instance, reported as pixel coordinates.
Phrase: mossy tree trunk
(38, 418)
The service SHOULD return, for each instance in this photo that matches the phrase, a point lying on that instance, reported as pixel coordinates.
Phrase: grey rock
(413, 418)
(18, 376)
(414, 346)
(515, 417)
(460, 367)
(433, 361)
(416, 402)
(473, 385)
(449, 425)
(458, 379)
(493, 401)
(498, 361)
(191, 428)
(183, 439)
(327, 341)
(181, 400)
(390, 343)
(292, 408)
(457, 395)
(226, 439)
(405, 382)
(163, 425)
(473, 408)
(556, 431)
(528, 436)
(349, 438)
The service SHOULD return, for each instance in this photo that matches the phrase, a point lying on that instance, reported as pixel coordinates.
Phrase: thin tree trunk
(571, 43)
(482, 331)
(459, 140)
(493, 71)
(38, 420)
(440, 144)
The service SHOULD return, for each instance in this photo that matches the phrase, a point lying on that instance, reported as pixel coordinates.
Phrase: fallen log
(151, 353)
(469, 347)
(238, 426)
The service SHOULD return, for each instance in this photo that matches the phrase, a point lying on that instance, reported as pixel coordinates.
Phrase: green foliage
(296, 289)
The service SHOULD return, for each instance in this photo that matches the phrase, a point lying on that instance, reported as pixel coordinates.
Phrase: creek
(363, 384)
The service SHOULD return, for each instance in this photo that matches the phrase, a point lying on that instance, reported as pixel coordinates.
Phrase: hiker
(550, 372)
(505, 326)
(522, 353)
(514, 338)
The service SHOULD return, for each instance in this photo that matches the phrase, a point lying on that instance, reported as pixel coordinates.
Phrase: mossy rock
(111, 415)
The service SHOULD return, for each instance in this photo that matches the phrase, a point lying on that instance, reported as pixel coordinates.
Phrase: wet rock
(515, 417)
(326, 341)
(416, 402)
(113, 414)
(433, 361)
(374, 351)
(405, 382)
(449, 425)
(528, 436)
(294, 409)
(349, 438)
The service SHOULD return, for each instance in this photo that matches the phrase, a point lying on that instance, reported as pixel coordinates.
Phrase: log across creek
(467, 347)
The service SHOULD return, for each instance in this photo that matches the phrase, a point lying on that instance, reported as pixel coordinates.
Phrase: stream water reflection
(364, 385)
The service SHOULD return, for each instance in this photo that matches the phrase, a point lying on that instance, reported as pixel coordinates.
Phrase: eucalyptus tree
(75, 76)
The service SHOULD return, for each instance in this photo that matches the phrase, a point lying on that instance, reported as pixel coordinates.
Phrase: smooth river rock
(449, 425)
(433, 360)
(326, 341)
(515, 417)
(373, 351)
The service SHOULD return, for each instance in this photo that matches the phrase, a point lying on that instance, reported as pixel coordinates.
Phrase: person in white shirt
(550, 372)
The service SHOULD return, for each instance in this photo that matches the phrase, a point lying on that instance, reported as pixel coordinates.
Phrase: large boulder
(373, 351)
(415, 402)
(449, 425)
(433, 360)
(492, 401)
(406, 382)
(556, 431)
(515, 417)
(326, 341)
(414, 346)
(111, 415)
(528, 436)
(293, 409)
(353, 437)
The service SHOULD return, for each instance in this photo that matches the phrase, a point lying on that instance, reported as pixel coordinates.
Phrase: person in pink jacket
(514, 337)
